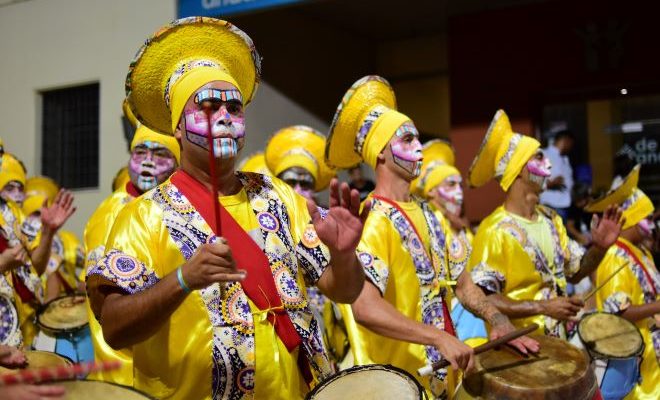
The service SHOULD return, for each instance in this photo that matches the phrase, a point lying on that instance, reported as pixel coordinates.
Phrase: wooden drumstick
(593, 292)
(58, 373)
(428, 369)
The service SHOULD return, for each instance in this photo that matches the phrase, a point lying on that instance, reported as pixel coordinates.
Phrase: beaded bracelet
(182, 283)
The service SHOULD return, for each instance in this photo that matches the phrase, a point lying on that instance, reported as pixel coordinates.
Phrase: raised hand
(341, 228)
(605, 230)
(58, 213)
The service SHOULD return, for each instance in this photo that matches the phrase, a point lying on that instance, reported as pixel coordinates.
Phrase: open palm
(605, 230)
(55, 215)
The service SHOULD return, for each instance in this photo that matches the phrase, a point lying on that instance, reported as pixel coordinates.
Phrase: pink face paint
(539, 168)
(451, 194)
(300, 180)
(646, 227)
(13, 191)
(406, 149)
(227, 125)
(150, 165)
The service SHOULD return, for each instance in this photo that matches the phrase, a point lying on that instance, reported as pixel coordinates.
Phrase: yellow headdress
(182, 57)
(41, 185)
(254, 163)
(299, 146)
(33, 203)
(121, 179)
(438, 165)
(363, 124)
(502, 155)
(11, 170)
(144, 134)
(635, 204)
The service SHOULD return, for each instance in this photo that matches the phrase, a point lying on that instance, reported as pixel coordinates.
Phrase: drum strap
(629, 251)
(449, 324)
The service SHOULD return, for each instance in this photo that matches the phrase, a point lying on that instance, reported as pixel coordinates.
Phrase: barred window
(70, 136)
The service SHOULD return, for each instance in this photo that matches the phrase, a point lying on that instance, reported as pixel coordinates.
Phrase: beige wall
(49, 44)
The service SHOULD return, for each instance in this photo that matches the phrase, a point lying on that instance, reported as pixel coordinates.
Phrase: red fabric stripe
(629, 251)
(132, 190)
(259, 285)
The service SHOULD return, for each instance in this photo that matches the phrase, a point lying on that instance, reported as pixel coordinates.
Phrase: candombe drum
(97, 390)
(615, 345)
(369, 382)
(64, 319)
(559, 371)
(40, 359)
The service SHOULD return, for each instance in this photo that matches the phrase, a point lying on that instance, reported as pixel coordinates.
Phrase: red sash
(132, 190)
(639, 262)
(259, 285)
(449, 324)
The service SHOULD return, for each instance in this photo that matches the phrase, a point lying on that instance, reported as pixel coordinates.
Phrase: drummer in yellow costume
(199, 325)
(633, 292)
(154, 157)
(440, 183)
(402, 312)
(521, 255)
(25, 252)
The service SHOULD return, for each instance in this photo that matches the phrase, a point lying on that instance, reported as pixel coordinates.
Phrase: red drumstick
(58, 373)
(208, 110)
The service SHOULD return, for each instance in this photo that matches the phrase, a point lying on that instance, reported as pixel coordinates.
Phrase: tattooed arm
(474, 299)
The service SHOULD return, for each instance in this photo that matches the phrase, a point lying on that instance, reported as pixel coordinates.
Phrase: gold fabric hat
(182, 57)
(365, 121)
(126, 109)
(144, 134)
(437, 166)
(41, 185)
(11, 170)
(635, 204)
(299, 146)
(254, 163)
(33, 203)
(121, 179)
(502, 155)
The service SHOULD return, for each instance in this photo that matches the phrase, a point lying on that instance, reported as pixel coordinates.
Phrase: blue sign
(223, 8)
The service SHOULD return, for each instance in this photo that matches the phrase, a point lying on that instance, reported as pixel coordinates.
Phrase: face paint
(300, 180)
(450, 193)
(227, 122)
(13, 191)
(34, 221)
(150, 165)
(406, 149)
(646, 227)
(539, 169)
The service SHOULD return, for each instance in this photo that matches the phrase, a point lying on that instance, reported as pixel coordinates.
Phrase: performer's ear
(177, 131)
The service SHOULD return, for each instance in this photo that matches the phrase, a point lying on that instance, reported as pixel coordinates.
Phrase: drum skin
(608, 336)
(40, 359)
(63, 314)
(97, 390)
(559, 371)
(369, 382)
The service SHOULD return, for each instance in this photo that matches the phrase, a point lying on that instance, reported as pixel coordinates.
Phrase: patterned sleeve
(458, 250)
(488, 261)
(573, 251)
(127, 265)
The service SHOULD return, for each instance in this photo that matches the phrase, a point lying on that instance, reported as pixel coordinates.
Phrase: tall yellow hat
(299, 146)
(145, 135)
(365, 121)
(41, 185)
(33, 203)
(437, 166)
(254, 163)
(11, 170)
(635, 204)
(121, 179)
(128, 113)
(182, 57)
(502, 155)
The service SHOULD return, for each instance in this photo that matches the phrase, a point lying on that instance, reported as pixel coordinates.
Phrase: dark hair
(581, 191)
(564, 133)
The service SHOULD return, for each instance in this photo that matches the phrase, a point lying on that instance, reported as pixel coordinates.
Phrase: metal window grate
(70, 136)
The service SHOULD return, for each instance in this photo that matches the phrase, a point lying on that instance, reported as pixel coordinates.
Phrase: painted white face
(450, 193)
(13, 191)
(300, 180)
(406, 149)
(539, 168)
(227, 122)
(150, 165)
(646, 227)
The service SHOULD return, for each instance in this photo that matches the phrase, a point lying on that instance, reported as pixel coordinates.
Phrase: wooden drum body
(559, 371)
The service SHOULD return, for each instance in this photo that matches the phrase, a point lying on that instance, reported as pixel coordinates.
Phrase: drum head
(369, 382)
(559, 371)
(97, 390)
(40, 359)
(63, 314)
(609, 336)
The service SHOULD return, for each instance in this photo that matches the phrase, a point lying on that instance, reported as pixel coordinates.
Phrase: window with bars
(70, 136)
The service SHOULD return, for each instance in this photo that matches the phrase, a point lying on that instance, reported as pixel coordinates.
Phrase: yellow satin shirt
(508, 258)
(217, 344)
(95, 235)
(631, 286)
(386, 257)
